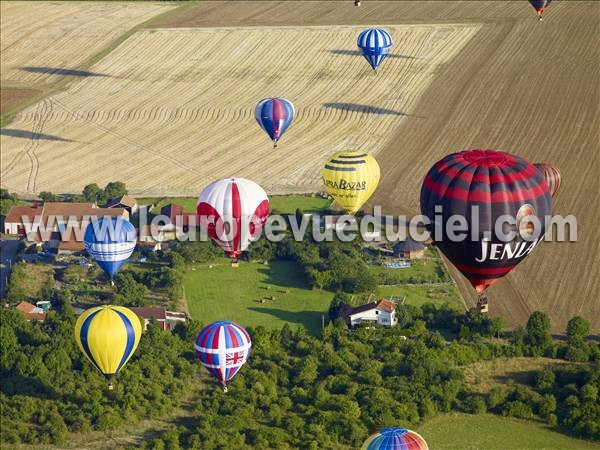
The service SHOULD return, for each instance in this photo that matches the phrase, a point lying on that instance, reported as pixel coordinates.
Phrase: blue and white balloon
(374, 44)
(110, 242)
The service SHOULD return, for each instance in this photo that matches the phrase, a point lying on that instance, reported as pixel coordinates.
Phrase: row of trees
(92, 193)
(560, 396)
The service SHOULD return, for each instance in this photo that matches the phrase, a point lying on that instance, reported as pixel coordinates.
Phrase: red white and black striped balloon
(233, 211)
(499, 184)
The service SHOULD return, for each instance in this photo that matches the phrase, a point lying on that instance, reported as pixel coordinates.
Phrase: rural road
(8, 255)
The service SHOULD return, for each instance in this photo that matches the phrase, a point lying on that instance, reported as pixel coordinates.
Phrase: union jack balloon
(274, 115)
(223, 348)
(233, 212)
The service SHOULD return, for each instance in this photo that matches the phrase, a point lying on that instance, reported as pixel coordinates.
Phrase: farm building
(126, 202)
(13, 223)
(165, 319)
(181, 220)
(54, 216)
(152, 237)
(31, 312)
(381, 313)
(409, 249)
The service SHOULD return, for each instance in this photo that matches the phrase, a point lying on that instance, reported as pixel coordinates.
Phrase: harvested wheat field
(45, 40)
(172, 109)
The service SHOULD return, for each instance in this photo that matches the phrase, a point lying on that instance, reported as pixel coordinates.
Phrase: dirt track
(521, 86)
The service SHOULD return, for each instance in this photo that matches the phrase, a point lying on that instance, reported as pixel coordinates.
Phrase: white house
(381, 313)
(165, 319)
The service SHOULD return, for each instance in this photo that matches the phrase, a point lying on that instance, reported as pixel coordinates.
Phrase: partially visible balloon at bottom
(395, 439)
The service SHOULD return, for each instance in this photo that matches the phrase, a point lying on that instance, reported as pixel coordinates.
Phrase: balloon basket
(482, 304)
(225, 389)
(235, 264)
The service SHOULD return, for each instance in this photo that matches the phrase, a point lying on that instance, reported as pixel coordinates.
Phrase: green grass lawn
(419, 295)
(235, 293)
(287, 204)
(420, 268)
(487, 432)
(280, 204)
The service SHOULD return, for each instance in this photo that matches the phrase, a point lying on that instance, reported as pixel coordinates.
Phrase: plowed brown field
(517, 84)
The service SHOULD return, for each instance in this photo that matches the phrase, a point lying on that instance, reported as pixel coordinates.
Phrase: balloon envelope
(110, 242)
(395, 439)
(274, 115)
(539, 5)
(483, 186)
(233, 212)
(223, 348)
(351, 177)
(552, 176)
(108, 336)
(374, 44)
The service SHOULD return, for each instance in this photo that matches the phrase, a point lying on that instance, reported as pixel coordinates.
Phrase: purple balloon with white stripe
(274, 115)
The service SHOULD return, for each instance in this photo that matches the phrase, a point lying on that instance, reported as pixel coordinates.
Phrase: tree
(15, 290)
(577, 330)
(129, 291)
(48, 196)
(538, 331)
(175, 260)
(92, 192)
(5, 195)
(114, 189)
(197, 251)
(336, 306)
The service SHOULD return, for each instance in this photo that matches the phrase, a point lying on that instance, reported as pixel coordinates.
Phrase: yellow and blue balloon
(108, 336)
(351, 177)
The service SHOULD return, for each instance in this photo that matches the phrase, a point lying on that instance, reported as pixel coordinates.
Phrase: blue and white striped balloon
(374, 44)
(110, 242)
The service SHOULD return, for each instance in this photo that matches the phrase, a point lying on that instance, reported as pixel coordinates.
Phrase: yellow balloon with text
(351, 177)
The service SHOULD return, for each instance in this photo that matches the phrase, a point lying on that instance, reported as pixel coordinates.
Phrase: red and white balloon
(233, 212)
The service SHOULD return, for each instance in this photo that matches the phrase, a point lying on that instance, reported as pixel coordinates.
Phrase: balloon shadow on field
(30, 135)
(355, 107)
(59, 71)
(358, 53)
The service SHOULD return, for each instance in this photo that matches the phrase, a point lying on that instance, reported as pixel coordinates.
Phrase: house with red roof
(381, 313)
(31, 312)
